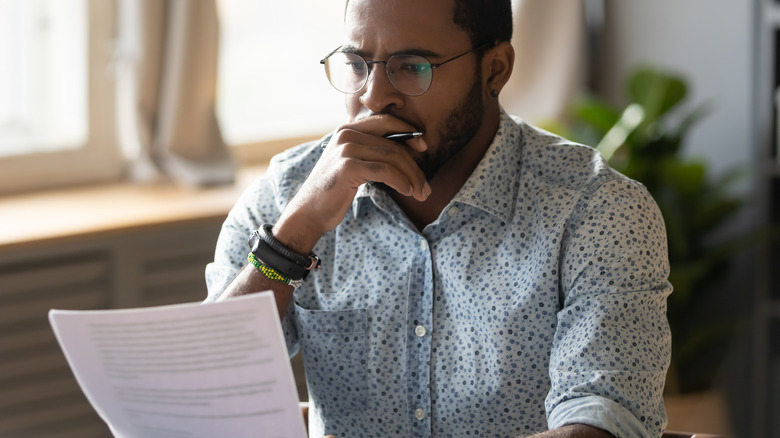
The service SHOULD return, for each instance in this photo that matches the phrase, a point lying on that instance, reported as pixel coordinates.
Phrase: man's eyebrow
(419, 52)
(350, 49)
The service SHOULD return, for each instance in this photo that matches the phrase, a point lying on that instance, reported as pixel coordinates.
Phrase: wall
(708, 41)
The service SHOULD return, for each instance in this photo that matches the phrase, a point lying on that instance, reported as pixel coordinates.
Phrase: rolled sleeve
(597, 412)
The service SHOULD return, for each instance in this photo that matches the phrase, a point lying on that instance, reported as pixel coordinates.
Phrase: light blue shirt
(536, 299)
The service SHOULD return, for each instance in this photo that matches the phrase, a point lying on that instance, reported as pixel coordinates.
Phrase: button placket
(418, 335)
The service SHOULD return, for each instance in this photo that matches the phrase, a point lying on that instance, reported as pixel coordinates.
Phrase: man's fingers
(363, 171)
(388, 163)
(418, 144)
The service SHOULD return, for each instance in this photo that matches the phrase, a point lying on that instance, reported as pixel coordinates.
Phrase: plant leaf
(617, 135)
(688, 178)
(712, 214)
(596, 113)
(658, 92)
(691, 119)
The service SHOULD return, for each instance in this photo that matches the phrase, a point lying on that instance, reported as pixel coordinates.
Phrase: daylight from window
(271, 84)
(43, 75)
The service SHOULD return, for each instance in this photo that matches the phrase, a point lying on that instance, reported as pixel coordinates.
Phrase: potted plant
(644, 141)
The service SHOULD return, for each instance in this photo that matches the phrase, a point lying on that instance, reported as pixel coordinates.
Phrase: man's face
(450, 112)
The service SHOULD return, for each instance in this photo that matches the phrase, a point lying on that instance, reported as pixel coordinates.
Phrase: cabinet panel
(38, 390)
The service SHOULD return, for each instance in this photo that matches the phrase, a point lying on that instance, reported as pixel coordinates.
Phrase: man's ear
(497, 64)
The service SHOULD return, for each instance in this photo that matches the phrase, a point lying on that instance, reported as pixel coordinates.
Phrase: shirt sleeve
(612, 345)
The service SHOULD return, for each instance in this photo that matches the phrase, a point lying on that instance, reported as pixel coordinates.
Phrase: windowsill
(45, 217)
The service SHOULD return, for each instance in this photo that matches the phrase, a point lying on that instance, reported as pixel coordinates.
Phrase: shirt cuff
(597, 412)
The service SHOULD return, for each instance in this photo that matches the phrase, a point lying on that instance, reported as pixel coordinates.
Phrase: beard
(460, 126)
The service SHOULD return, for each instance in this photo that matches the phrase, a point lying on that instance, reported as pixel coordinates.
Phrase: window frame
(100, 158)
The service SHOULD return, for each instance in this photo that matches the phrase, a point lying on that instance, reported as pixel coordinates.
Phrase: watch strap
(275, 254)
(265, 253)
(309, 262)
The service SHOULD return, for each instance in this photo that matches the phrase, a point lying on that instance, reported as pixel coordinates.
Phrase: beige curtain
(550, 60)
(166, 86)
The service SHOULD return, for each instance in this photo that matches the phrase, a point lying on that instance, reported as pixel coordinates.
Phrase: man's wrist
(278, 261)
(298, 237)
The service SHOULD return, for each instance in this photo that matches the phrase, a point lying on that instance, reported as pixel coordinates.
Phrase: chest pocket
(333, 344)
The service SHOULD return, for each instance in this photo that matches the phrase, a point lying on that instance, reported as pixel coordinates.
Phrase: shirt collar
(492, 185)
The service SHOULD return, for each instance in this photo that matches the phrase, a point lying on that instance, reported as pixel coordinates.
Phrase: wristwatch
(273, 253)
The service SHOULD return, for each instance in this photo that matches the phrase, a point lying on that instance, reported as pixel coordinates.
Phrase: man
(483, 279)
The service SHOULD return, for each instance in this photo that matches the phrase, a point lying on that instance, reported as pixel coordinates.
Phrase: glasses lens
(347, 72)
(410, 74)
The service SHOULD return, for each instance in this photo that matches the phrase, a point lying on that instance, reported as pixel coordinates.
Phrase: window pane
(43, 75)
(271, 84)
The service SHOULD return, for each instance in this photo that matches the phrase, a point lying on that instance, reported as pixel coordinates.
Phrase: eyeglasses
(410, 74)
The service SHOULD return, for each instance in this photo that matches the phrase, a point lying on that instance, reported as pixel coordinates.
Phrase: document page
(187, 370)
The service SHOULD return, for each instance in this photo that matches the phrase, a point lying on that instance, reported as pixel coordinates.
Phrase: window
(45, 88)
(57, 91)
(56, 95)
(271, 85)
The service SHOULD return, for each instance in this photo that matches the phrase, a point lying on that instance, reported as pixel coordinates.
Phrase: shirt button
(420, 331)
(419, 414)
(424, 245)
(452, 211)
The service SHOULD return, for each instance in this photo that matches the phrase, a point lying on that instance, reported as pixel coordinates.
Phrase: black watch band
(273, 253)
(303, 261)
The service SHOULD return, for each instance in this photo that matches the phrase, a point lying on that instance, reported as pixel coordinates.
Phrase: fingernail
(426, 189)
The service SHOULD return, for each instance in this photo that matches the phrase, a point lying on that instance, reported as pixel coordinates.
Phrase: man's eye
(356, 67)
(417, 69)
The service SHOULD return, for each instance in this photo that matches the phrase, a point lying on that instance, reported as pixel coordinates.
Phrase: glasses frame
(369, 65)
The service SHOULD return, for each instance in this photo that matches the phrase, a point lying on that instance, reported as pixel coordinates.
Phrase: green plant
(644, 142)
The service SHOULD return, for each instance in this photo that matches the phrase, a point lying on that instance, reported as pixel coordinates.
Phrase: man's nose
(379, 92)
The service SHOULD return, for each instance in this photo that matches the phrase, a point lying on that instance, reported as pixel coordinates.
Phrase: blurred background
(129, 127)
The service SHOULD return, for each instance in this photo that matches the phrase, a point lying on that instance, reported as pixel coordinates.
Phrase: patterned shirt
(536, 299)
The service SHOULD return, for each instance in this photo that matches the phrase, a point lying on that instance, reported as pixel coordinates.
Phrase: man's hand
(357, 153)
(575, 431)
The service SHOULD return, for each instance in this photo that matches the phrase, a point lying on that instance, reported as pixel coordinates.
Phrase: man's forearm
(575, 431)
(250, 280)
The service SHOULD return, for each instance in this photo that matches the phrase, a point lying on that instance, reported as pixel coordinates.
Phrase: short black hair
(486, 21)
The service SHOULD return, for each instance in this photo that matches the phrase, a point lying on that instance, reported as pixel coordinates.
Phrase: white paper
(187, 370)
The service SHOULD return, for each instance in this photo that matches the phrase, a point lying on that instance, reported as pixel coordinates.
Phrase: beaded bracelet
(273, 274)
